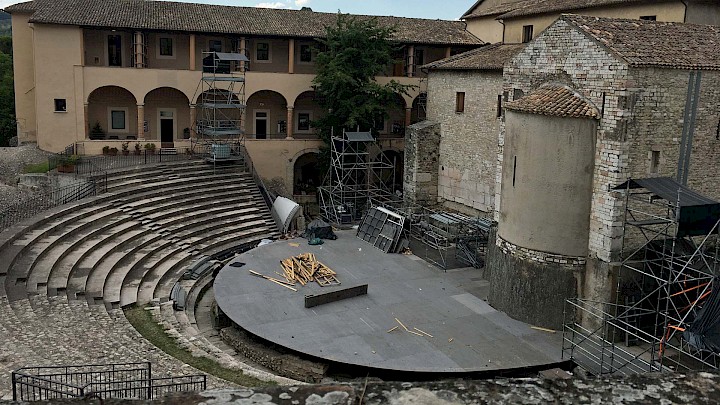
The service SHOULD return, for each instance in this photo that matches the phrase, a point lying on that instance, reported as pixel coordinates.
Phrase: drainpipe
(686, 9)
(503, 35)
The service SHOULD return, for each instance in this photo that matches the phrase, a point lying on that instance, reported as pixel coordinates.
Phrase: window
(498, 113)
(527, 33)
(114, 43)
(215, 45)
(165, 47)
(262, 51)
(648, 17)
(117, 119)
(654, 162)
(379, 124)
(305, 53)
(419, 57)
(460, 102)
(303, 121)
(60, 105)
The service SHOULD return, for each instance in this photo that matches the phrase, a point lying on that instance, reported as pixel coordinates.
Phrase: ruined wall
(422, 144)
(468, 144)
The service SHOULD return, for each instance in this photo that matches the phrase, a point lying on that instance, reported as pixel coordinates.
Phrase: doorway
(166, 125)
(261, 124)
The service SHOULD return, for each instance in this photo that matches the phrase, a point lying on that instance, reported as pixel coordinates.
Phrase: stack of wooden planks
(305, 268)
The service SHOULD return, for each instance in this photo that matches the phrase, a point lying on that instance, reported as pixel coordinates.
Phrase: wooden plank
(314, 300)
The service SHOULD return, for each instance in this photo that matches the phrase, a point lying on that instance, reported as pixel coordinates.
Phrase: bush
(97, 131)
(106, 150)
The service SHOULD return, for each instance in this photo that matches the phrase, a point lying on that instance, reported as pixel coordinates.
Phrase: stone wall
(285, 364)
(468, 144)
(420, 183)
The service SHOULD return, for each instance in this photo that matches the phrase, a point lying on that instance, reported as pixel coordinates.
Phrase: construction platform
(468, 335)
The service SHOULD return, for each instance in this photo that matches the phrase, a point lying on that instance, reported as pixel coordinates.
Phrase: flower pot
(126, 152)
(66, 169)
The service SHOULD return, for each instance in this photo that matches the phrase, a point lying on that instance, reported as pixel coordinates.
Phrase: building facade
(130, 70)
(518, 21)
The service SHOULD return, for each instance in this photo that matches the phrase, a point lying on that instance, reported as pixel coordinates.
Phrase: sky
(442, 9)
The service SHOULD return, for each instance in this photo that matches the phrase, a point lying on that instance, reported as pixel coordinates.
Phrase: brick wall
(468, 145)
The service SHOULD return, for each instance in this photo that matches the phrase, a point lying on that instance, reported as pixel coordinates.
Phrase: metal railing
(94, 165)
(267, 195)
(128, 380)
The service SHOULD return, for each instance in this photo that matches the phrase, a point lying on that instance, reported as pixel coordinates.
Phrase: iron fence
(127, 380)
(95, 165)
(33, 204)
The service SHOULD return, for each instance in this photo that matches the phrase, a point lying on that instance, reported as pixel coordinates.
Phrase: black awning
(698, 214)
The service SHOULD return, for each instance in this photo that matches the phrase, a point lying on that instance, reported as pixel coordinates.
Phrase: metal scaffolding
(354, 179)
(220, 107)
(667, 312)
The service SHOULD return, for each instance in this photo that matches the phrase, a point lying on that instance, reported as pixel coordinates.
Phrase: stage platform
(469, 336)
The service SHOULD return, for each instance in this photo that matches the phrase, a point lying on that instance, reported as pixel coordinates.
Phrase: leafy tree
(354, 51)
(7, 98)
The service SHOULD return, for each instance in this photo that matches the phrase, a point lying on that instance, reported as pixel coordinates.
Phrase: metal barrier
(128, 380)
(94, 165)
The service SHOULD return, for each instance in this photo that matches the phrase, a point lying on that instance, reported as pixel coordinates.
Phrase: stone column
(448, 52)
(86, 114)
(141, 121)
(193, 117)
(290, 112)
(408, 116)
(139, 50)
(243, 51)
(410, 60)
(192, 52)
(291, 56)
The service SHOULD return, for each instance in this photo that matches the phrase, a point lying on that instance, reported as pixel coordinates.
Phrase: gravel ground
(12, 161)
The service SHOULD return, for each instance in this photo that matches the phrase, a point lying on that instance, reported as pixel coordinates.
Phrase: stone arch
(266, 110)
(395, 120)
(305, 110)
(165, 105)
(306, 173)
(114, 110)
(419, 108)
(396, 157)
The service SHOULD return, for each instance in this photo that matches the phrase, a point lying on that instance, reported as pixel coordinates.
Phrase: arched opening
(306, 110)
(167, 116)
(266, 115)
(394, 124)
(390, 173)
(112, 113)
(306, 174)
(218, 110)
(419, 108)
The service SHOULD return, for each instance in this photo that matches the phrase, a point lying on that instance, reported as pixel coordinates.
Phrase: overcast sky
(443, 9)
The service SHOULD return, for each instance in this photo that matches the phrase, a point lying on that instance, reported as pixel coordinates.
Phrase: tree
(354, 51)
(7, 98)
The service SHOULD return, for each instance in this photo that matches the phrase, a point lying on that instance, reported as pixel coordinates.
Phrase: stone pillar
(291, 56)
(141, 121)
(422, 149)
(139, 49)
(290, 112)
(448, 52)
(243, 51)
(86, 114)
(193, 117)
(411, 60)
(408, 116)
(192, 52)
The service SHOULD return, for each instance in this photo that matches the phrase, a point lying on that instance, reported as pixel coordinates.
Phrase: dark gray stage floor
(469, 335)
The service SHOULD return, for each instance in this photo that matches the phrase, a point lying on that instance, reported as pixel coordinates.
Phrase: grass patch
(37, 168)
(143, 321)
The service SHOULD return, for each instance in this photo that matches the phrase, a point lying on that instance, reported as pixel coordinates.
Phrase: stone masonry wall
(420, 183)
(468, 144)
(563, 54)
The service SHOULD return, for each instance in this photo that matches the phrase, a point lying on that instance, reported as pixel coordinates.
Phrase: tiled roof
(531, 7)
(24, 7)
(653, 43)
(490, 57)
(556, 100)
(190, 17)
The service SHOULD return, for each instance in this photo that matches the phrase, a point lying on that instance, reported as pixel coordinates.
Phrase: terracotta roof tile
(654, 43)
(495, 10)
(190, 17)
(24, 7)
(556, 100)
(490, 57)
(531, 7)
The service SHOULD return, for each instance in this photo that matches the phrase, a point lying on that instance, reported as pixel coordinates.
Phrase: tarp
(704, 332)
(698, 214)
(319, 229)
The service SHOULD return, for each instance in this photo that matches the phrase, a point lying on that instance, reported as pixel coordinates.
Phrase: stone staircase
(65, 274)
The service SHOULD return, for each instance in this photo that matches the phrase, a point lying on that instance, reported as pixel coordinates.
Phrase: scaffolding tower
(220, 107)
(667, 312)
(353, 179)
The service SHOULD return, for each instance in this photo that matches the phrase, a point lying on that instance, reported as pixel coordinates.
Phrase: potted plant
(125, 148)
(106, 150)
(137, 148)
(150, 148)
(97, 132)
(113, 151)
(186, 133)
(67, 164)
